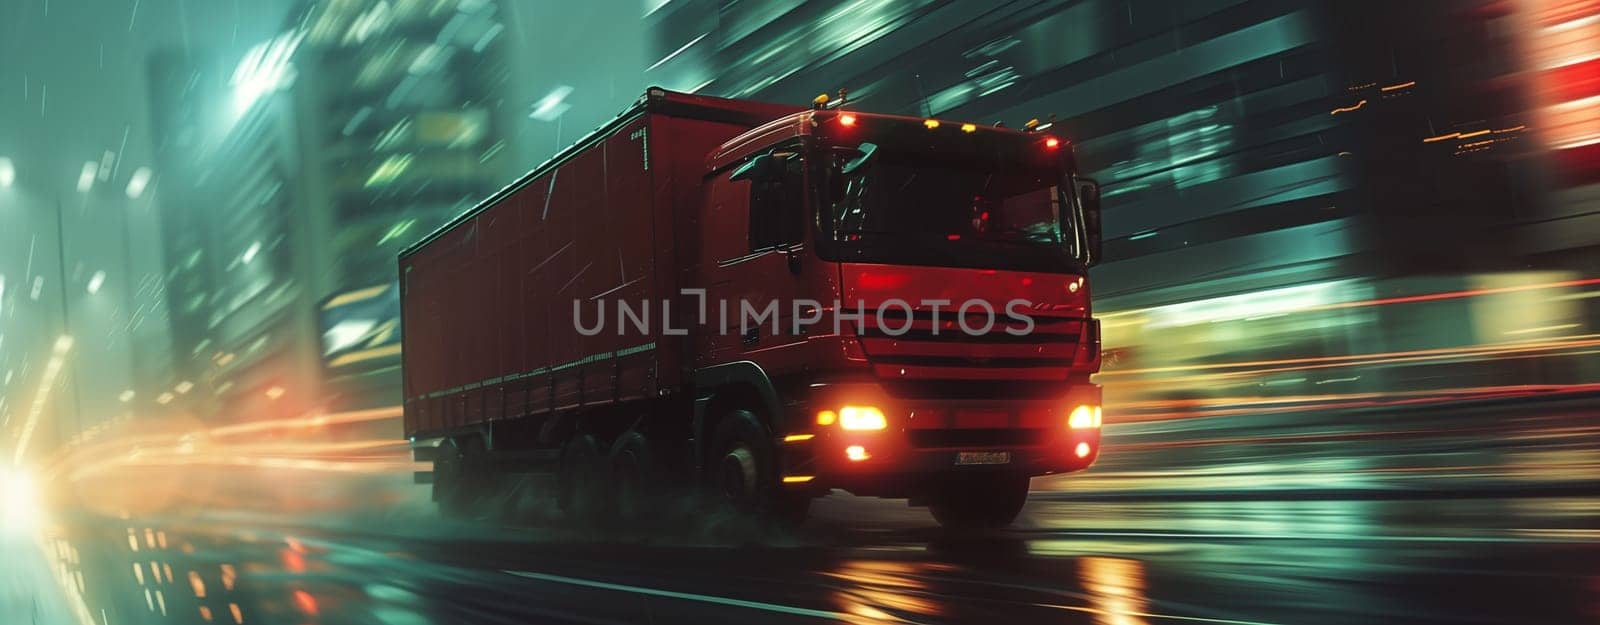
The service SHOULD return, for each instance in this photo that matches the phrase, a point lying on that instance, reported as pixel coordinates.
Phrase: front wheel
(980, 502)
(745, 471)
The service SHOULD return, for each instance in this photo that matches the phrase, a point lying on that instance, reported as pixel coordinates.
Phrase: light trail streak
(1316, 362)
(1429, 297)
(1529, 391)
(310, 421)
(46, 382)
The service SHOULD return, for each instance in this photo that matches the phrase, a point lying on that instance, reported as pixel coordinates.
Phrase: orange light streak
(1317, 362)
(1347, 109)
(337, 418)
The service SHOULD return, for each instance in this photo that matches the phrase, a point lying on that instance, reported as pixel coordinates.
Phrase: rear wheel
(457, 475)
(580, 479)
(633, 478)
(980, 502)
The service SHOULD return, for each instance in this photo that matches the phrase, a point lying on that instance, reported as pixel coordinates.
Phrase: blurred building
(1279, 176)
(297, 174)
(401, 123)
(233, 230)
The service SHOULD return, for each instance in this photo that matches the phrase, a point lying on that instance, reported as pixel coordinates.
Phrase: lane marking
(1052, 534)
(1150, 615)
(656, 592)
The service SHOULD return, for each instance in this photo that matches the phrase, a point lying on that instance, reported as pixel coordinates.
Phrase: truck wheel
(980, 502)
(632, 475)
(456, 480)
(579, 479)
(742, 472)
(745, 472)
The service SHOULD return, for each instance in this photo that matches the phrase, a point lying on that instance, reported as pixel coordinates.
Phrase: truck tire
(745, 470)
(979, 502)
(580, 478)
(457, 479)
(633, 476)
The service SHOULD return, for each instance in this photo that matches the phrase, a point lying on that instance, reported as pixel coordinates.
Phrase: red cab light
(847, 120)
(1052, 143)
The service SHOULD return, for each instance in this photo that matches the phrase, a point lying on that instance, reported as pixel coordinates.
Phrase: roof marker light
(847, 119)
(1052, 142)
(930, 123)
(969, 128)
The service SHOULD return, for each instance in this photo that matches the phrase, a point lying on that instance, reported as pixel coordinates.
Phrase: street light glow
(138, 181)
(19, 506)
(8, 172)
(96, 281)
(36, 409)
(86, 178)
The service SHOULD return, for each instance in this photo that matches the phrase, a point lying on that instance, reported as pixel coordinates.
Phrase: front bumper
(927, 441)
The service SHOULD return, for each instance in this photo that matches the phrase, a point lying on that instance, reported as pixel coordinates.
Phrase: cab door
(755, 233)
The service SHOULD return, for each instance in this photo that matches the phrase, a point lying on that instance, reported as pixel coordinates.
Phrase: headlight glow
(1084, 417)
(856, 418)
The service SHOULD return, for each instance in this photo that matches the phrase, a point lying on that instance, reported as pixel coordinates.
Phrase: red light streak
(306, 602)
(294, 561)
(1453, 294)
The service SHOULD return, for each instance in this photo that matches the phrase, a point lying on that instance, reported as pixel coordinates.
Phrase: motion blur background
(1306, 201)
(1310, 207)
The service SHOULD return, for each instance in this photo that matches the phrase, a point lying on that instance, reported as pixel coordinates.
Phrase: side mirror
(761, 167)
(868, 150)
(1089, 198)
(792, 253)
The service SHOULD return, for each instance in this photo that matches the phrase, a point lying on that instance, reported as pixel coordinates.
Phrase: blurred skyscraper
(233, 217)
(401, 126)
(298, 174)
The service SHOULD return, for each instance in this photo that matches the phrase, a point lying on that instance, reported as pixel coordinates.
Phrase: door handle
(751, 336)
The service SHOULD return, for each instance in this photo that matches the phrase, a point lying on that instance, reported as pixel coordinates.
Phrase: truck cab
(933, 337)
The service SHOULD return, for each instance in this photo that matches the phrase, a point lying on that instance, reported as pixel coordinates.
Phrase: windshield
(966, 209)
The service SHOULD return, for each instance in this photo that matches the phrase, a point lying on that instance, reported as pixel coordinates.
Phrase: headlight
(1084, 417)
(862, 418)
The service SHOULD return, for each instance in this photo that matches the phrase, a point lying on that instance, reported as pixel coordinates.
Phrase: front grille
(1046, 355)
(977, 437)
(974, 389)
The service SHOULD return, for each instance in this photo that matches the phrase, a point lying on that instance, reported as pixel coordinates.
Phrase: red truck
(772, 301)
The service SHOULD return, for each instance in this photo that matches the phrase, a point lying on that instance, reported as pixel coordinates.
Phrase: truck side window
(777, 214)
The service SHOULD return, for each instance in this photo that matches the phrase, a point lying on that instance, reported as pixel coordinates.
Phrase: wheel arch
(719, 389)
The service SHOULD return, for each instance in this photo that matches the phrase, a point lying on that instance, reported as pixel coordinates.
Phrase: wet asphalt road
(1092, 549)
(1443, 561)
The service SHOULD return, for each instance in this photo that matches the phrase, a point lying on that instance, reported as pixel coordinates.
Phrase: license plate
(983, 457)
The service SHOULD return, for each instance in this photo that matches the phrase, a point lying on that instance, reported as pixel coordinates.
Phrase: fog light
(862, 418)
(1084, 417)
(856, 453)
(1082, 450)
